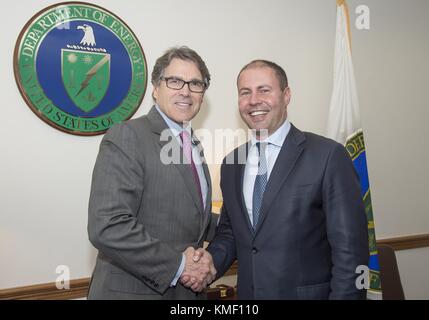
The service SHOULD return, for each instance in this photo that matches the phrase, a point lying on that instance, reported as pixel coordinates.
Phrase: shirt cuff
(179, 271)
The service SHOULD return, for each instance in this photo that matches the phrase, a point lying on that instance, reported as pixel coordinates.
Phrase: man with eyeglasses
(148, 210)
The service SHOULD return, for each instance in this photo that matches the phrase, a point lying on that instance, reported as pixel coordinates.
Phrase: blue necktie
(260, 183)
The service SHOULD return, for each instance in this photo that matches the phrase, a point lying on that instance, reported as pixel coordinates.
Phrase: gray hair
(279, 71)
(183, 53)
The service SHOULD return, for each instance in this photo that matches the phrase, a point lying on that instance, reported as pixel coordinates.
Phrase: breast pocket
(303, 190)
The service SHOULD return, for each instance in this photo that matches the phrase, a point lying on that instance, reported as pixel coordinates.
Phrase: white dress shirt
(275, 142)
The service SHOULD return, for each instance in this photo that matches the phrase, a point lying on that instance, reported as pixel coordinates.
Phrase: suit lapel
(158, 126)
(204, 165)
(286, 160)
(206, 216)
(239, 179)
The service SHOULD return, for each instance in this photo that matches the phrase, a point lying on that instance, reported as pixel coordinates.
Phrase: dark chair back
(391, 286)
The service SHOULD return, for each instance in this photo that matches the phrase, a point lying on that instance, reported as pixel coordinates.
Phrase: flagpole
(346, 12)
(344, 126)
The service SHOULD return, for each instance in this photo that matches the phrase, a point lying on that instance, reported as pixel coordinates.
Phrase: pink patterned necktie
(187, 151)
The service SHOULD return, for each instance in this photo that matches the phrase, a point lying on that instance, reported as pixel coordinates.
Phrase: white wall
(413, 268)
(45, 174)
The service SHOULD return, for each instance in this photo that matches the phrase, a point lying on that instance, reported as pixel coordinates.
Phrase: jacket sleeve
(222, 248)
(211, 230)
(113, 227)
(346, 224)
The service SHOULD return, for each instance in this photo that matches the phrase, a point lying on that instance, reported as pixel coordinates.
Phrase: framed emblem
(80, 68)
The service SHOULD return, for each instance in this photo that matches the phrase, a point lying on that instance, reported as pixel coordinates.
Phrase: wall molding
(406, 242)
(47, 291)
(79, 287)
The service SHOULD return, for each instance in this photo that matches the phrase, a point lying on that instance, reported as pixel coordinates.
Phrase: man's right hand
(199, 269)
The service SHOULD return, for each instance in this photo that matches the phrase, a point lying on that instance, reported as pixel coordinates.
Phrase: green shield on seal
(86, 77)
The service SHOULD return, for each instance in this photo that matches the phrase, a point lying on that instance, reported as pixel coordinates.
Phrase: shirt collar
(278, 137)
(174, 126)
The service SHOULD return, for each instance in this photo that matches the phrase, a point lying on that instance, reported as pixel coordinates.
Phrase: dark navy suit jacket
(312, 231)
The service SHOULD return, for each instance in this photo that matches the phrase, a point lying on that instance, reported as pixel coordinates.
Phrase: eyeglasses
(177, 84)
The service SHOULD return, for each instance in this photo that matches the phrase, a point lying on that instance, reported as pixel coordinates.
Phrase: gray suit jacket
(143, 214)
(312, 230)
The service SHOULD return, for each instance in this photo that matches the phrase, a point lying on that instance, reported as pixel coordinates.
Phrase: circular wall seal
(80, 68)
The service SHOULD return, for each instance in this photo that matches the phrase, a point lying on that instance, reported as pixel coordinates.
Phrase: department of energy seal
(80, 68)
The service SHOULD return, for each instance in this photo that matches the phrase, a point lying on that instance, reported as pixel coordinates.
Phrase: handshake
(199, 270)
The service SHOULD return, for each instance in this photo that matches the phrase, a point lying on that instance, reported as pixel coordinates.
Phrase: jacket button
(254, 250)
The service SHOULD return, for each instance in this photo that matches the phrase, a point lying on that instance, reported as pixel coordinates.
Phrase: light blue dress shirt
(176, 129)
(275, 143)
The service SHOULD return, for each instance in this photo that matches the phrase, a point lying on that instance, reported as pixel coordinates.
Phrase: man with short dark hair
(292, 214)
(148, 210)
